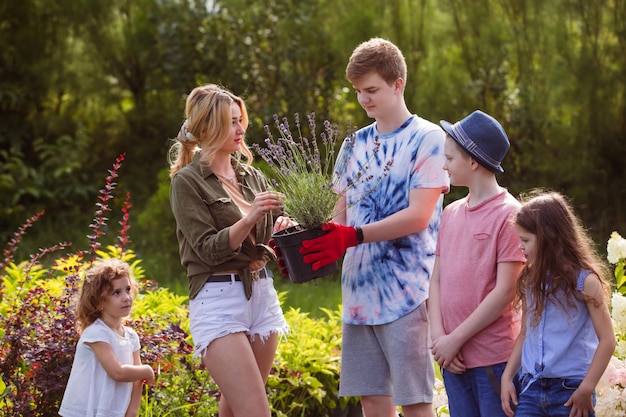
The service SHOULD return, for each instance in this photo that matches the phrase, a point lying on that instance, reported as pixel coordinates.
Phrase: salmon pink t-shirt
(471, 243)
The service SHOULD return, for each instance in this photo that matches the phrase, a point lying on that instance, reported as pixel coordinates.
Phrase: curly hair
(563, 249)
(98, 283)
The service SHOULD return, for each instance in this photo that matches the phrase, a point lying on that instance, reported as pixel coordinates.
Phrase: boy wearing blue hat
(473, 322)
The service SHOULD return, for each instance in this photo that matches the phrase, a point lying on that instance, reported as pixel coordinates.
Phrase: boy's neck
(393, 118)
(482, 188)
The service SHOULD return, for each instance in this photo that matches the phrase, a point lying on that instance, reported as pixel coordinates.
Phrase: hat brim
(447, 127)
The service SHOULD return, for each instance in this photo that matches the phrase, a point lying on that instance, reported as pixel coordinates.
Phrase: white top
(90, 392)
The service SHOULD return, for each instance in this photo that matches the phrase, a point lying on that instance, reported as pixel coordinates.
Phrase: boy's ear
(398, 84)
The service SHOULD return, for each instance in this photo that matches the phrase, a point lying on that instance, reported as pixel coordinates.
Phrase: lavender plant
(303, 168)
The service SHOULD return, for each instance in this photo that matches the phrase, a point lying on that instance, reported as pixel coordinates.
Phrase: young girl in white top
(567, 335)
(107, 373)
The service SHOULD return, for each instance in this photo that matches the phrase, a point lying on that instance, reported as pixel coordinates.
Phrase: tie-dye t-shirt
(383, 281)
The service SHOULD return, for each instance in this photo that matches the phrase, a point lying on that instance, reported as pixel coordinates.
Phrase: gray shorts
(221, 308)
(390, 359)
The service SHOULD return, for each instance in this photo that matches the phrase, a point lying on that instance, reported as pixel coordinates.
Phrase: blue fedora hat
(482, 137)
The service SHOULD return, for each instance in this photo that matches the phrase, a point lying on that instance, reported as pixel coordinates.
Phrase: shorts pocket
(571, 384)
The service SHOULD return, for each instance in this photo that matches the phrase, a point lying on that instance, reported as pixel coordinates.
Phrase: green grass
(310, 296)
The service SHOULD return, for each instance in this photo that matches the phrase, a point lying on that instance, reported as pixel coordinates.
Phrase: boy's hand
(327, 249)
(447, 354)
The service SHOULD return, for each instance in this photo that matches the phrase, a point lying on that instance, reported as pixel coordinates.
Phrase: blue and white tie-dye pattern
(383, 281)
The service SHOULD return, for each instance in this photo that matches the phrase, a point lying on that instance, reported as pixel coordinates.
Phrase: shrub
(37, 323)
(305, 377)
(38, 337)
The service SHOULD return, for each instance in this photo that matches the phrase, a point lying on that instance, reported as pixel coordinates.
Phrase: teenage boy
(388, 236)
(473, 322)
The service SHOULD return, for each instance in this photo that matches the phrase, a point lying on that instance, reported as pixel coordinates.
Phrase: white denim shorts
(221, 308)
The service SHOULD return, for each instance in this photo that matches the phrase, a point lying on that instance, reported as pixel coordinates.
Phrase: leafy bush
(305, 377)
(38, 337)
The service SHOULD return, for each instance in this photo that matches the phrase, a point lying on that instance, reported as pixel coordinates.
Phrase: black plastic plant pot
(289, 242)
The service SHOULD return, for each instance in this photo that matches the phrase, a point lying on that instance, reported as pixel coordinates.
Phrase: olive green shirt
(204, 212)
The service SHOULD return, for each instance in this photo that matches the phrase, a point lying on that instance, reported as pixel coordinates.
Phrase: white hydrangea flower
(618, 307)
(440, 398)
(620, 349)
(616, 248)
(610, 403)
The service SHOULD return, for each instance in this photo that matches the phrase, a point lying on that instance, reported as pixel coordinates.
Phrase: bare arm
(122, 373)
(414, 218)
(490, 308)
(434, 304)
(508, 393)
(437, 330)
(332, 246)
(581, 399)
(135, 396)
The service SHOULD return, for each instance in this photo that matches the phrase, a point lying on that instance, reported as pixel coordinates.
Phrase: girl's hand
(508, 396)
(150, 378)
(283, 223)
(581, 403)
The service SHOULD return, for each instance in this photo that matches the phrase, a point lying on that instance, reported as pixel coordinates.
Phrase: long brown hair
(563, 248)
(98, 283)
(207, 126)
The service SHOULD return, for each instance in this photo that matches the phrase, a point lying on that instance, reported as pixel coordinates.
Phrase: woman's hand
(257, 264)
(264, 203)
(282, 223)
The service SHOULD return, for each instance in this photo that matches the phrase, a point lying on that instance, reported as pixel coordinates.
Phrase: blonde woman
(225, 215)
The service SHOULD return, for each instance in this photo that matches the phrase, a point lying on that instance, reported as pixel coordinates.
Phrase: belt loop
(233, 278)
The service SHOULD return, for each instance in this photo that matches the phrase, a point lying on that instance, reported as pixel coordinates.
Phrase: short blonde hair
(378, 55)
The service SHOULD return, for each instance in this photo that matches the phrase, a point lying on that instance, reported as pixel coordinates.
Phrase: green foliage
(616, 255)
(302, 165)
(305, 376)
(38, 337)
(312, 297)
(155, 232)
(85, 81)
(38, 341)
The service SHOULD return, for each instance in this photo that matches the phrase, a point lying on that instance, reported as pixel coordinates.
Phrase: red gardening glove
(280, 262)
(327, 249)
